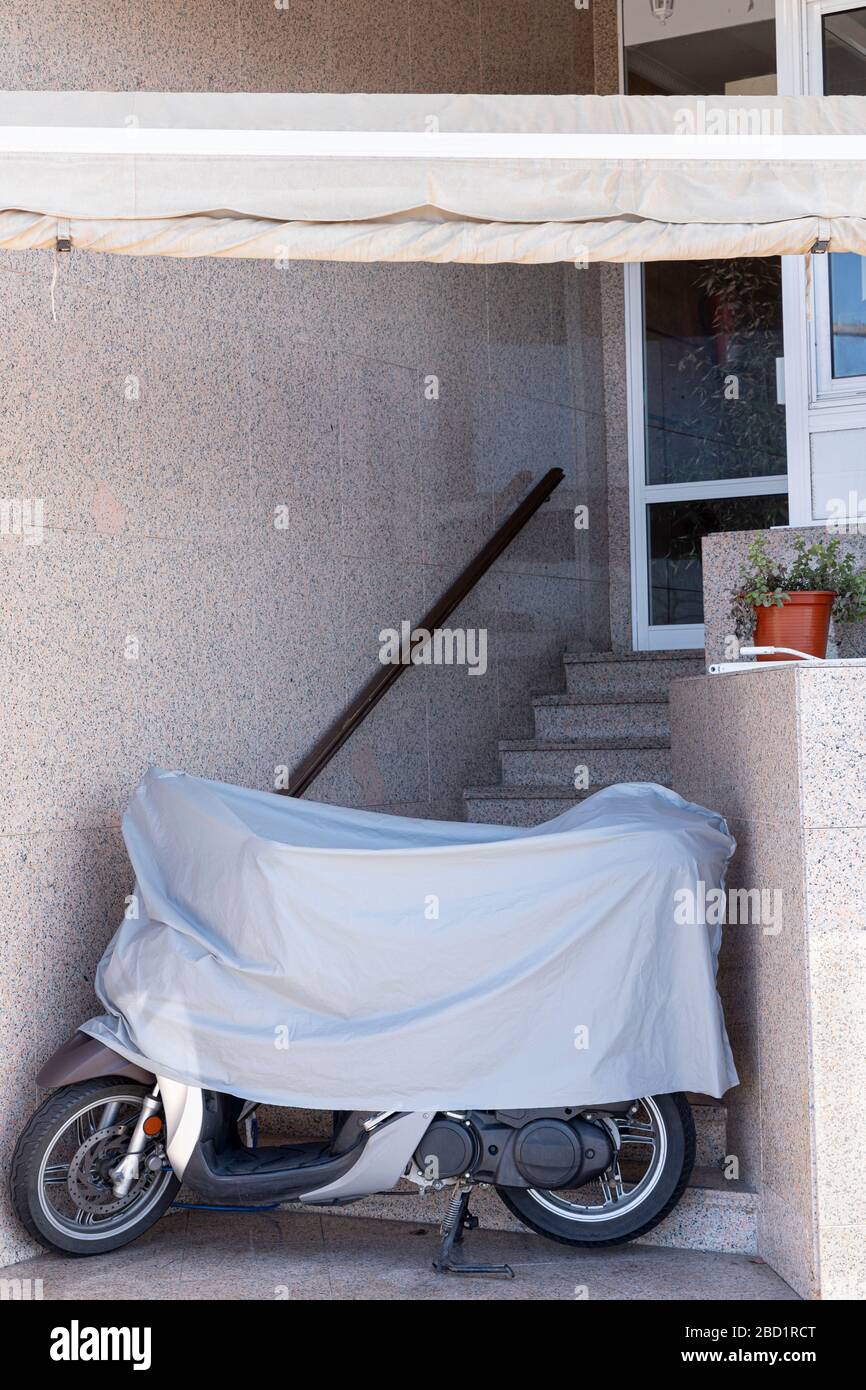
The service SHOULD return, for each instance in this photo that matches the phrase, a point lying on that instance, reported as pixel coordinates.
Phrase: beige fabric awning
(432, 178)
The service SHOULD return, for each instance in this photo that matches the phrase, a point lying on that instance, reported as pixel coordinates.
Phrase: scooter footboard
(204, 1150)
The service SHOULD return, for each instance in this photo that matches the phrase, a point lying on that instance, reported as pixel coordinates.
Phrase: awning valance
(432, 178)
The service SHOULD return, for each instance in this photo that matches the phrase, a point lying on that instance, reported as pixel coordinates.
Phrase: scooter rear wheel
(60, 1184)
(635, 1194)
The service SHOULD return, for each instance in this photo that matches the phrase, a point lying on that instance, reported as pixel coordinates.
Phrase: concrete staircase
(713, 1213)
(611, 721)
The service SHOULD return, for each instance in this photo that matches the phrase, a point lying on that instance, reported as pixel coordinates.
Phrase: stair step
(711, 1135)
(713, 1214)
(537, 762)
(621, 673)
(627, 698)
(594, 715)
(669, 654)
(522, 806)
(707, 1217)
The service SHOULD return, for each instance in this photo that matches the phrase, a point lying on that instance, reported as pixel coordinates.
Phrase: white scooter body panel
(184, 1111)
(381, 1163)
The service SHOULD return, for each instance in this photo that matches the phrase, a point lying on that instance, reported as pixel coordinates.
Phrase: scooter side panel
(82, 1058)
(382, 1161)
(184, 1112)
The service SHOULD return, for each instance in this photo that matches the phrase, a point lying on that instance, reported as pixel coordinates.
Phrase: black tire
(673, 1176)
(43, 1132)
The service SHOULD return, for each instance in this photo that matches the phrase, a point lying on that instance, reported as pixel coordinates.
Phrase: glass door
(707, 414)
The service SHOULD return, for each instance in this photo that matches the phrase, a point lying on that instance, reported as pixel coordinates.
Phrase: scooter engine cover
(548, 1153)
(448, 1149)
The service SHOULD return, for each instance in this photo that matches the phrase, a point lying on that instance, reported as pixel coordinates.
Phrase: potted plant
(790, 605)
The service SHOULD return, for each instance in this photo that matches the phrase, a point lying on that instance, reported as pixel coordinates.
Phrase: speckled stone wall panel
(779, 753)
(522, 46)
(528, 45)
(606, 44)
(606, 81)
(64, 894)
(832, 735)
(245, 477)
(445, 46)
(616, 449)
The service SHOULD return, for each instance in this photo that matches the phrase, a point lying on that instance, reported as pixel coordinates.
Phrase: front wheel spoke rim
(54, 1176)
(58, 1173)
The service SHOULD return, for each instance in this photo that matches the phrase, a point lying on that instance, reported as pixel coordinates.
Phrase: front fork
(124, 1175)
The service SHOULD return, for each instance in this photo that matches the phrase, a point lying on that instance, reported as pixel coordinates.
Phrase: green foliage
(765, 581)
(742, 298)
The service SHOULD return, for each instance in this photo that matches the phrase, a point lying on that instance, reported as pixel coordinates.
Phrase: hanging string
(53, 285)
(62, 244)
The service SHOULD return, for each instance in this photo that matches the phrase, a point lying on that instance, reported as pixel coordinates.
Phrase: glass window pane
(844, 41)
(848, 313)
(701, 49)
(713, 332)
(844, 36)
(675, 531)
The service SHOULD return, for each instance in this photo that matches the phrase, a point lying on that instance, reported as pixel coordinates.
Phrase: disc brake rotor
(89, 1180)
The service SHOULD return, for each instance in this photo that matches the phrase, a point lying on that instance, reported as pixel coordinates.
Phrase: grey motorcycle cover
(308, 955)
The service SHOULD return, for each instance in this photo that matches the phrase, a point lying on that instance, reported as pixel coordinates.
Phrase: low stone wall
(781, 753)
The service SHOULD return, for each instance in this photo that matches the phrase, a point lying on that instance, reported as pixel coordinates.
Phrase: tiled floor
(305, 1255)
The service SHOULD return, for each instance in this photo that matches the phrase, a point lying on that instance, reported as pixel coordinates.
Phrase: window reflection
(675, 531)
(713, 334)
(848, 313)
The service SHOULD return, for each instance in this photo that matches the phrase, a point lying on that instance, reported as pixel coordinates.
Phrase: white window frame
(647, 636)
(824, 386)
(814, 402)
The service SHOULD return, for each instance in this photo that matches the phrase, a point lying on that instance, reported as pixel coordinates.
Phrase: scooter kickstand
(458, 1220)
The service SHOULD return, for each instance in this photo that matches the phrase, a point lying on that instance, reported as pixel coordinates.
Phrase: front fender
(84, 1057)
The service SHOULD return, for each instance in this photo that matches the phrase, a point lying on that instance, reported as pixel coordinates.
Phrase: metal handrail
(358, 709)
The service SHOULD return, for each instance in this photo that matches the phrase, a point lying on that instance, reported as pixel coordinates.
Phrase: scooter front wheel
(644, 1183)
(60, 1180)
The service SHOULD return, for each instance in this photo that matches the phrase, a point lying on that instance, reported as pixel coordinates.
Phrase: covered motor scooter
(518, 1008)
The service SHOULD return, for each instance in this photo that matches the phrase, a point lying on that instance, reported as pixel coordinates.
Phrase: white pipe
(722, 668)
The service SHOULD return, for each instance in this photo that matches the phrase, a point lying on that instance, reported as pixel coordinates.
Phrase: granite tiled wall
(606, 81)
(780, 752)
(298, 45)
(172, 407)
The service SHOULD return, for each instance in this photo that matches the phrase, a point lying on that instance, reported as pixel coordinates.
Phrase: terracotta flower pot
(802, 623)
